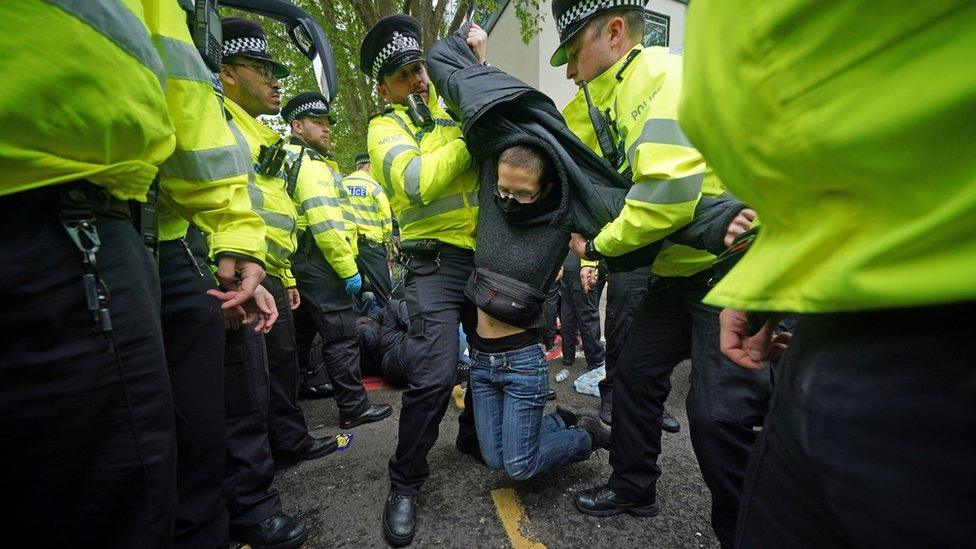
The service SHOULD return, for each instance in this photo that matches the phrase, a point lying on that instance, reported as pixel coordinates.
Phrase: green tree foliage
(346, 22)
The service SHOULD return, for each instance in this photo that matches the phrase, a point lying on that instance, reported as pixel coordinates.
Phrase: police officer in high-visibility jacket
(370, 211)
(264, 430)
(325, 263)
(636, 91)
(203, 181)
(420, 159)
(861, 162)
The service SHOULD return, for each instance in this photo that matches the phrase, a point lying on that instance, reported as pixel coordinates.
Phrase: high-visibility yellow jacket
(268, 193)
(205, 179)
(852, 132)
(369, 206)
(428, 177)
(669, 174)
(81, 98)
(319, 212)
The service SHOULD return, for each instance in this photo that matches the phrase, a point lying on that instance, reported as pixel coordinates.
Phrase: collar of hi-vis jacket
(441, 118)
(603, 87)
(251, 126)
(300, 143)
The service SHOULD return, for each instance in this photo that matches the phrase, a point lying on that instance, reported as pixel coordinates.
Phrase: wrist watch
(590, 252)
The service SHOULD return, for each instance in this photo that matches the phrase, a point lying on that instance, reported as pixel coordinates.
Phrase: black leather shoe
(551, 395)
(669, 423)
(325, 390)
(601, 501)
(606, 412)
(320, 447)
(375, 412)
(279, 531)
(399, 519)
(568, 417)
(599, 433)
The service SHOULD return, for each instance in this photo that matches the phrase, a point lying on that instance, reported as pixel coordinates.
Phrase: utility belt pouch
(426, 247)
(511, 301)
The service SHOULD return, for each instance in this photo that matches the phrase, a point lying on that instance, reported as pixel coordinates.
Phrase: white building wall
(507, 52)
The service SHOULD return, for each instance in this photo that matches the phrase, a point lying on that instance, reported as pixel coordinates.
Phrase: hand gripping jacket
(369, 208)
(668, 176)
(325, 254)
(427, 175)
(518, 261)
(269, 197)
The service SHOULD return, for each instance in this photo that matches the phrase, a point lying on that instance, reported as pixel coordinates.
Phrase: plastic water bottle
(562, 375)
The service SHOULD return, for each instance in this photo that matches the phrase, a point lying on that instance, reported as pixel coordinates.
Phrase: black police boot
(602, 501)
(320, 447)
(375, 412)
(279, 531)
(568, 417)
(551, 394)
(326, 390)
(669, 423)
(599, 433)
(606, 411)
(399, 519)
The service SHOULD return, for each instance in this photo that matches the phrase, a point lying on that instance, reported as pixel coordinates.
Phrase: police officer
(369, 209)
(204, 180)
(600, 41)
(862, 171)
(421, 161)
(580, 313)
(260, 416)
(325, 263)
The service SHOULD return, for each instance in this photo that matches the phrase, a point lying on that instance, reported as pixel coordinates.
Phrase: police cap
(571, 16)
(246, 38)
(307, 104)
(361, 158)
(391, 43)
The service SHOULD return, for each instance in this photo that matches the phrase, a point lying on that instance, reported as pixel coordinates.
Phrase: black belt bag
(509, 300)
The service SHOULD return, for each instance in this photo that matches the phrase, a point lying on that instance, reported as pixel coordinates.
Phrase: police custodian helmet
(391, 43)
(571, 16)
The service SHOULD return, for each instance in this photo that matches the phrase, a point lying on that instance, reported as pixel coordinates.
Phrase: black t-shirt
(507, 343)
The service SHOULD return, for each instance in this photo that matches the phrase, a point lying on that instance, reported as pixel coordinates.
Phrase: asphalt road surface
(463, 504)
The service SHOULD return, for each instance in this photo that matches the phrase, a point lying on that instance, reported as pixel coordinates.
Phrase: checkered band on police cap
(246, 44)
(304, 108)
(589, 7)
(397, 44)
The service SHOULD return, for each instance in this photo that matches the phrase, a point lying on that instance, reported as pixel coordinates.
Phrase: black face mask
(529, 213)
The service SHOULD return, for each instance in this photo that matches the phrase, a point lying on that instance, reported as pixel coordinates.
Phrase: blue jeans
(509, 394)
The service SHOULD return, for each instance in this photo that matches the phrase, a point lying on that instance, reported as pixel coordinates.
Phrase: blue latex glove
(353, 284)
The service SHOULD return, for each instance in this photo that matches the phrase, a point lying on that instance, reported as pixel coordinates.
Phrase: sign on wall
(656, 29)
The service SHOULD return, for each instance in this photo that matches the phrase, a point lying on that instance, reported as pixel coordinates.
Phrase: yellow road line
(510, 511)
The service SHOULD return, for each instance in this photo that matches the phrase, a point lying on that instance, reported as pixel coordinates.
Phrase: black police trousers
(372, 263)
(193, 334)
(625, 290)
(580, 312)
(341, 358)
(725, 402)
(249, 469)
(436, 304)
(550, 311)
(871, 436)
(88, 455)
(287, 430)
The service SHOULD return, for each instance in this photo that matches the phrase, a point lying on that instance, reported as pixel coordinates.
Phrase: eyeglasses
(264, 71)
(519, 197)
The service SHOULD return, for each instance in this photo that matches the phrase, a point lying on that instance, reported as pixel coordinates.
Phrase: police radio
(203, 19)
(271, 159)
(601, 127)
(419, 112)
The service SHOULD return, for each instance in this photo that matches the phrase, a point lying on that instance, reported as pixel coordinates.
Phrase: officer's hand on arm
(559, 276)
(740, 224)
(294, 299)
(587, 278)
(478, 41)
(750, 351)
(229, 269)
(578, 245)
(353, 284)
